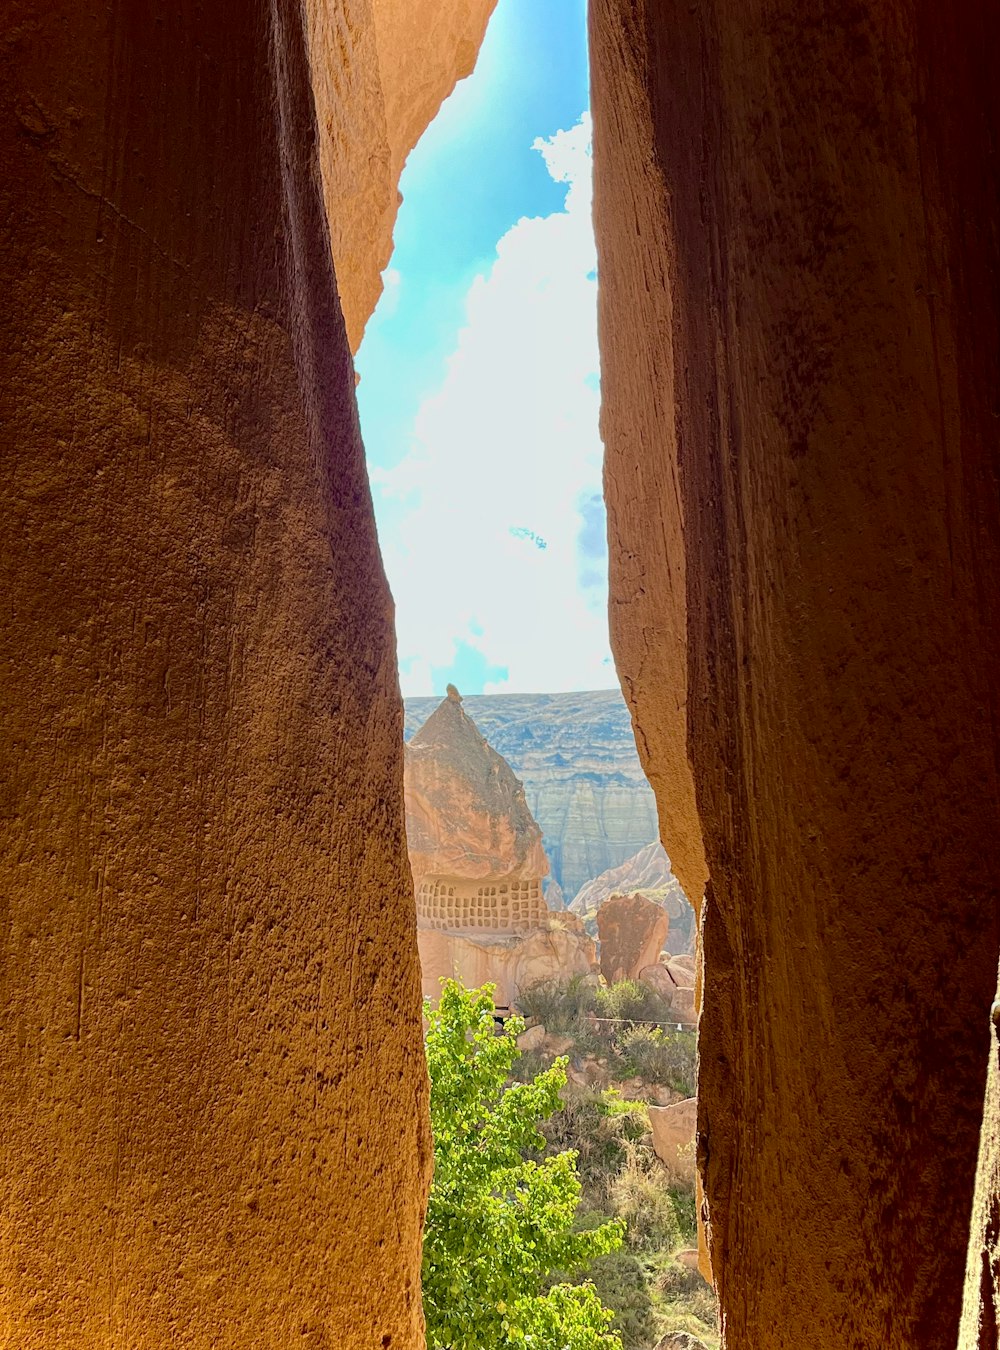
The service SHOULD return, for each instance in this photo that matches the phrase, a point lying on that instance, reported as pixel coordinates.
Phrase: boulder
(531, 1039)
(658, 978)
(680, 1340)
(683, 1007)
(632, 931)
(674, 1129)
(682, 968)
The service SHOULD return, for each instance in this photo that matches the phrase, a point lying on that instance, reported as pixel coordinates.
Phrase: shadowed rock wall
(796, 209)
(211, 1076)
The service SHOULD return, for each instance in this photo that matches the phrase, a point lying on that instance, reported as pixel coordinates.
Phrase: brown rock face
(796, 219)
(381, 70)
(212, 1095)
(466, 816)
(511, 963)
(632, 931)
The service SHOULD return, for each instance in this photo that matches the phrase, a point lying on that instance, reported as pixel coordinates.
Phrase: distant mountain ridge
(583, 782)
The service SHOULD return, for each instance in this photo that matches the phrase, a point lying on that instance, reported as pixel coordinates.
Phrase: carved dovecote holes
(494, 905)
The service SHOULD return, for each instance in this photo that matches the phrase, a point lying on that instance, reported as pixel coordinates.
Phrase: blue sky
(479, 387)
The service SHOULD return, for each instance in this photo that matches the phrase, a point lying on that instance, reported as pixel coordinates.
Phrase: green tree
(498, 1222)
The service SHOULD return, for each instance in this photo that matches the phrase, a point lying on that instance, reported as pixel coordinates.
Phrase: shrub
(630, 1001)
(601, 1127)
(560, 1007)
(623, 1285)
(641, 1198)
(661, 1056)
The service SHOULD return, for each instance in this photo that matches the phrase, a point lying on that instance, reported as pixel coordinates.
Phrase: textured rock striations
(796, 212)
(212, 1094)
(583, 782)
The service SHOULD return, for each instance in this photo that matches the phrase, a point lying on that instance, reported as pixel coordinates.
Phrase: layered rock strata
(795, 208)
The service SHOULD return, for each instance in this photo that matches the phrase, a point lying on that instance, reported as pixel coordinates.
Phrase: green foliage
(631, 1001)
(660, 1056)
(497, 1222)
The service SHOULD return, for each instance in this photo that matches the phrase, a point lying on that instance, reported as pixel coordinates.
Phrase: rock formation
(212, 1092)
(381, 69)
(632, 931)
(795, 207)
(207, 1079)
(544, 953)
(478, 864)
(646, 873)
(673, 1129)
(583, 782)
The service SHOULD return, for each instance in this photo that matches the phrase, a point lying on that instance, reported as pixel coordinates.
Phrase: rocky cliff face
(575, 754)
(795, 206)
(211, 1071)
(381, 69)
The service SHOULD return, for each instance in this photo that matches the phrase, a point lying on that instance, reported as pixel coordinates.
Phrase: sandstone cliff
(795, 208)
(381, 70)
(212, 1093)
(583, 782)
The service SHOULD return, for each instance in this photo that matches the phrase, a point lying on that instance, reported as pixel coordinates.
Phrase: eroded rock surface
(212, 1091)
(632, 931)
(466, 814)
(382, 69)
(647, 873)
(513, 963)
(673, 1130)
(477, 862)
(576, 755)
(795, 212)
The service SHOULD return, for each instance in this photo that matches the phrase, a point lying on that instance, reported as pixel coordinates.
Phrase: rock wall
(583, 782)
(212, 1090)
(557, 952)
(381, 70)
(797, 232)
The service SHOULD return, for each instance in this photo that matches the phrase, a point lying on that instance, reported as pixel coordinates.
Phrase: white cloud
(498, 547)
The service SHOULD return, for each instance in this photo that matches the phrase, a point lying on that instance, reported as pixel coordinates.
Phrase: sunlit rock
(632, 931)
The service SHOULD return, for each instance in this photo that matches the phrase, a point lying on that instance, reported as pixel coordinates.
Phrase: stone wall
(381, 69)
(797, 231)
